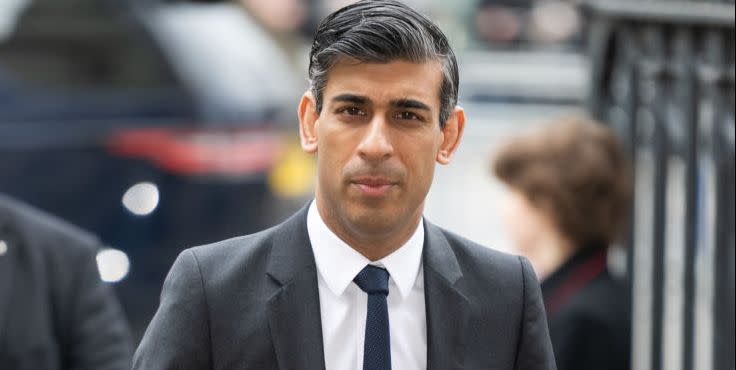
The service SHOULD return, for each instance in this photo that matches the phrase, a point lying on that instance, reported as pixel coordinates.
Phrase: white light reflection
(113, 265)
(141, 199)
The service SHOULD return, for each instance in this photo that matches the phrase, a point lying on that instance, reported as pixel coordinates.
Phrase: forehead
(383, 82)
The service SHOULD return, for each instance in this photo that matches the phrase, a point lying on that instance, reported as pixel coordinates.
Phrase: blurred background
(160, 125)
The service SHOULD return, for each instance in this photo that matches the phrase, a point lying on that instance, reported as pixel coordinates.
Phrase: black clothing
(588, 312)
(55, 311)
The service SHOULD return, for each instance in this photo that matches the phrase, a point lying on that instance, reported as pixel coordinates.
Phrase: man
(55, 312)
(358, 279)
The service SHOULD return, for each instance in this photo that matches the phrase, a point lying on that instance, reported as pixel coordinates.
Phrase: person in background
(527, 24)
(55, 311)
(570, 188)
(500, 23)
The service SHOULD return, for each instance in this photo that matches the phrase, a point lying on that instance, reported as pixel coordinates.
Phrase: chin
(375, 221)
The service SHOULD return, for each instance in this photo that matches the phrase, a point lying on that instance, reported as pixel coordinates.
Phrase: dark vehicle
(99, 128)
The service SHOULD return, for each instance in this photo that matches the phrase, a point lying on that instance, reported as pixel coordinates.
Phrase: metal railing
(663, 78)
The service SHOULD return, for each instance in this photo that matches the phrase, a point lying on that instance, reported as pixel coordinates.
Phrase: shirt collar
(338, 263)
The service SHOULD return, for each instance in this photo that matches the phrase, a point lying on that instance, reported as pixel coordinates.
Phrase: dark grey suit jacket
(55, 312)
(252, 303)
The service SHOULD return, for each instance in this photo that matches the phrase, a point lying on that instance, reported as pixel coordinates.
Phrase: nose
(375, 145)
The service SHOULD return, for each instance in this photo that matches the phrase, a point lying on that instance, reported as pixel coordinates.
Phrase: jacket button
(3, 247)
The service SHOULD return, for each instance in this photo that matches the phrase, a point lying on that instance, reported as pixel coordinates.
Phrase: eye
(351, 111)
(409, 116)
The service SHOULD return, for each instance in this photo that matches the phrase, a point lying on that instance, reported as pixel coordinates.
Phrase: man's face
(377, 137)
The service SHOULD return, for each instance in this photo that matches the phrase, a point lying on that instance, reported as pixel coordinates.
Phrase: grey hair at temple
(381, 31)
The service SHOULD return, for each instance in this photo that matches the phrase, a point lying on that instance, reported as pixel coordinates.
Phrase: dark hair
(380, 31)
(578, 172)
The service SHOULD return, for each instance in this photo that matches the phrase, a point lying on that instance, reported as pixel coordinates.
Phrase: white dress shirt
(343, 304)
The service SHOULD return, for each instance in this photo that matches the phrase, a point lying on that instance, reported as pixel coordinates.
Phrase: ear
(308, 118)
(452, 133)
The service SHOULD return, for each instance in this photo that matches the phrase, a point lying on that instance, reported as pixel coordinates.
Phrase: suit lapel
(447, 307)
(293, 312)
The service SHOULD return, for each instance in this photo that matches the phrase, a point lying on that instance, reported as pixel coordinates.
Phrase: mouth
(373, 186)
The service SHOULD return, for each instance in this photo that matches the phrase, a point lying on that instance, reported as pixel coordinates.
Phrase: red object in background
(578, 279)
(231, 152)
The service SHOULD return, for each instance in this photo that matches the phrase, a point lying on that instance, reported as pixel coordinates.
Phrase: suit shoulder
(487, 271)
(469, 251)
(233, 247)
(42, 230)
(250, 248)
(242, 257)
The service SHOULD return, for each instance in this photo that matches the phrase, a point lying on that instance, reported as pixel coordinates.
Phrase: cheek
(420, 164)
(421, 153)
(330, 168)
(333, 151)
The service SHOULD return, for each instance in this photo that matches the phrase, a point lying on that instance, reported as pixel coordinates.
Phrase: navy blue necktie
(377, 348)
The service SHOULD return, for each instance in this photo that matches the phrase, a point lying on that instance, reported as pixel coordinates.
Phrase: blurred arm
(99, 336)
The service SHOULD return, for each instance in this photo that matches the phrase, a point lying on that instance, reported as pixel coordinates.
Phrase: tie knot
(373, 279)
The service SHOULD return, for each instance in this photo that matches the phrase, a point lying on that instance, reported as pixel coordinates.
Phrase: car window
(84, 60)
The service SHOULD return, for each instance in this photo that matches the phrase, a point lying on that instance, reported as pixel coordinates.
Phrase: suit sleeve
(535, 349)
(99, 336)
(178, 335)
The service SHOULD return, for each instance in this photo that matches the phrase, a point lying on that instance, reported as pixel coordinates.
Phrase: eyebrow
(399, 103)
(350, 98)
(410, 103)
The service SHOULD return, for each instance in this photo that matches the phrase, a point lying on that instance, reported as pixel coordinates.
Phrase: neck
(550, 254)
(371, 244)
(377, 248)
